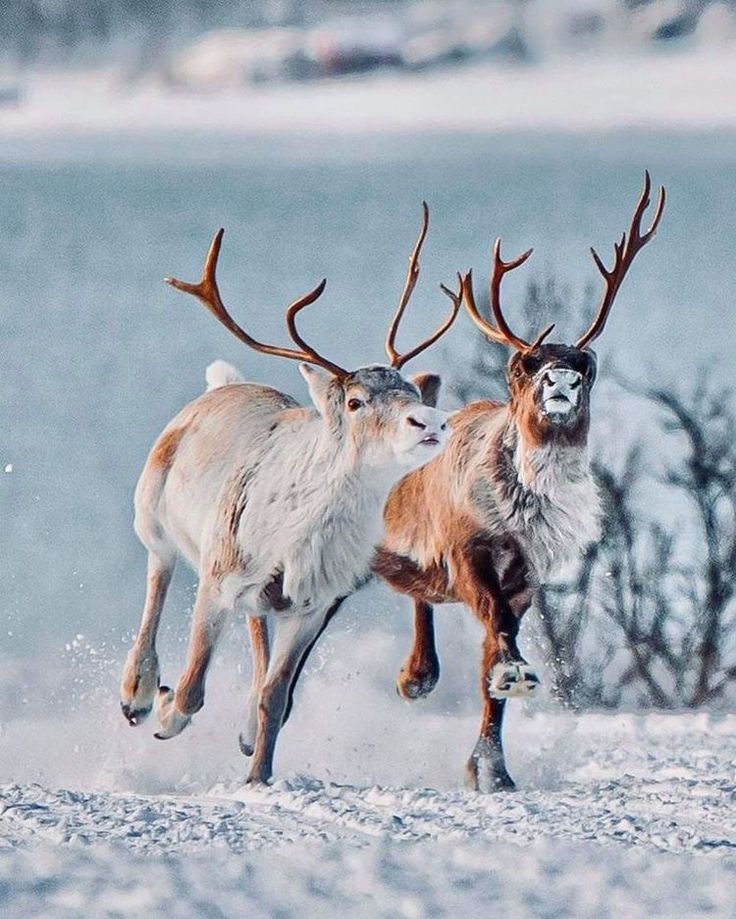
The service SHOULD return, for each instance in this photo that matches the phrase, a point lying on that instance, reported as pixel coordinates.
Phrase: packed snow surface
(615, 815)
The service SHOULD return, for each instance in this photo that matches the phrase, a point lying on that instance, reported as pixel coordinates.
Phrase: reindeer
(276, 506)
(508, 502)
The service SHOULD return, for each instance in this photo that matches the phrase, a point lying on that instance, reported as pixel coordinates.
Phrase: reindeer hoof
(511, 680)
(171, 720)
(138, 688)
(245, 748)
(135, 716)
(416, 684)
(487, 776)
(258, 780)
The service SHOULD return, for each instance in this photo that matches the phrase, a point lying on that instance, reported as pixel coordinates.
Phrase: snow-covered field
(615, 815)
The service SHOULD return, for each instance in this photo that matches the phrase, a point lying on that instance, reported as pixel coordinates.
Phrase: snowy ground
(615, 815)
(668, 91)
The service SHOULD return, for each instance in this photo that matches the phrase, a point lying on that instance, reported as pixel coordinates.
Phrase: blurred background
(312, 131)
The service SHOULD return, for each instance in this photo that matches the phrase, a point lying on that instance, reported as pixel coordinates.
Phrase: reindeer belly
(483, 564)
(430, 583)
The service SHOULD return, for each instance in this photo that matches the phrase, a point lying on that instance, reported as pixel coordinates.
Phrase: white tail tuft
(220, 373)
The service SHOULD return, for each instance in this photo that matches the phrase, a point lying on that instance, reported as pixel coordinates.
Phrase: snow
(578, 93)
(447, 879)
(615, 815)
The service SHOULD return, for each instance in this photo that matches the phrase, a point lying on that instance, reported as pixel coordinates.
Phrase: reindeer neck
(541, 494)
(542, 466)
(329, 517)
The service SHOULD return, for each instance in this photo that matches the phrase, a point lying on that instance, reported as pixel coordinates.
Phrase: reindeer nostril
(575, 383)
(443, 426)
(415, 423)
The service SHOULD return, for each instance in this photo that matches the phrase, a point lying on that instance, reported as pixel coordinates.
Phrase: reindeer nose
(415, 422)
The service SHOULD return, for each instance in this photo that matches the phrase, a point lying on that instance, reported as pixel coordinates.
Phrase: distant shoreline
(670, 92)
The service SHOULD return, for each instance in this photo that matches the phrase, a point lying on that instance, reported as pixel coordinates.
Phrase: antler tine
(457, 299)
(291, 314)
(207, 292)
(624, 253)
(540, 338)
(411, 279)
(500, 268)
(489, 330)
(466, 286)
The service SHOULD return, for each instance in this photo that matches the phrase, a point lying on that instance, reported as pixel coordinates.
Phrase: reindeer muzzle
(560, 390)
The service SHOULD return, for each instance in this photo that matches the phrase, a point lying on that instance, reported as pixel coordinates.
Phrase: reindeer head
(380, 415)
(550, 383)
(384, 420)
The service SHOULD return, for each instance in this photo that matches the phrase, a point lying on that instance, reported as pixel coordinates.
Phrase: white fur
(314, 515)
(220, 373)
(561, 514)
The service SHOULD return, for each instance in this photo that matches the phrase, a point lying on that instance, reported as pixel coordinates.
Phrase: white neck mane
(554, 504)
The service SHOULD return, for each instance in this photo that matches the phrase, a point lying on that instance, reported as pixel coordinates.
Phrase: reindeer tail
(220, 373)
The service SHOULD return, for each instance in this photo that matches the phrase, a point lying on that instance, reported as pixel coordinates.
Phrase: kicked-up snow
(614, 815)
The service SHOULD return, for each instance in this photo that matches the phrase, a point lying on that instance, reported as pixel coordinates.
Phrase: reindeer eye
(354, 405)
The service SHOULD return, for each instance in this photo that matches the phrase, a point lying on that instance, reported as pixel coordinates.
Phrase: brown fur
(164, 450)
(228, 557)
(439, 547)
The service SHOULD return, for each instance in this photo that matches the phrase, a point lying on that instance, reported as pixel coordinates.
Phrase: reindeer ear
(429, 387)
(319, 387)
(593, 365)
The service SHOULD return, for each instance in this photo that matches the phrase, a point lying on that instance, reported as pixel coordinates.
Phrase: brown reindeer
(509, 501)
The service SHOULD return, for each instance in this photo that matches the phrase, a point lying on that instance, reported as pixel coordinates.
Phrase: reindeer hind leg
(260, 655)
(293, 637)
(141, 672)
(421, 669)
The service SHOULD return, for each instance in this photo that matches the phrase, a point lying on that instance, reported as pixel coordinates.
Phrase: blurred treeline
(57, 30)
(78, 31)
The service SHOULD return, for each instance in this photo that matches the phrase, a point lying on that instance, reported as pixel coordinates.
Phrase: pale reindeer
(508, 502)
(276, 506)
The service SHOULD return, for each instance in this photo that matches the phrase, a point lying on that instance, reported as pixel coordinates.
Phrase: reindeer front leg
(260, 656)
(421, 669)
(486, 768)
(294, 636)
(499, 603)
(500, 600)
(176, 708)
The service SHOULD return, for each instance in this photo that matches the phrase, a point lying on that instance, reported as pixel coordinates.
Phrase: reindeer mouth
(430, 441)
(558, 404)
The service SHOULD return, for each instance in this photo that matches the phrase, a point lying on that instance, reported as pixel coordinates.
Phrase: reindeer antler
(625, 252)
(207, 292)
(501, 332)
(395, 357)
